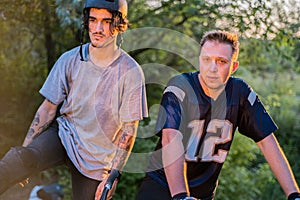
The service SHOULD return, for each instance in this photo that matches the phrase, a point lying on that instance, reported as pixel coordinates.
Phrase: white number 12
(218, 132)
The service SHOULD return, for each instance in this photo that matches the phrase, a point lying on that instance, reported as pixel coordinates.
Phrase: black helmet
(112, 5)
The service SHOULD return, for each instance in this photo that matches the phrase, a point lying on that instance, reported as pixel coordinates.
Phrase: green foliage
(128, 186)
(22, 72)
(269, 56)
(269, 59)
(62, 176)
(242, 177)
(65, 181)
(246, 175)
(280, 95)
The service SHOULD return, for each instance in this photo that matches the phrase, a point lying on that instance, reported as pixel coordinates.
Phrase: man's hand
(109, 181)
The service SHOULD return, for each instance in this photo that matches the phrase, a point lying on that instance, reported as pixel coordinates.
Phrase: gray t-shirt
(95, 102)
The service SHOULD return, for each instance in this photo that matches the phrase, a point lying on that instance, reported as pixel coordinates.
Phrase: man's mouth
(212, 78)
(98, 35)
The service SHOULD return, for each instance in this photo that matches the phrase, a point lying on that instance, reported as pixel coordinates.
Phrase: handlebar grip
(113, 175)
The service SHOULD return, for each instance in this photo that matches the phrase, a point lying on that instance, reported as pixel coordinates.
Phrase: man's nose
(99, 26)
(213, 66)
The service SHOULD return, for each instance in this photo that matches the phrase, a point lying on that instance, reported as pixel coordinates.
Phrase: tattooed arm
(125, 145)
(42, 119)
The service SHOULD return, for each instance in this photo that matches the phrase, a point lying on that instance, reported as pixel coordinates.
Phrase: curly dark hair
(118, 23)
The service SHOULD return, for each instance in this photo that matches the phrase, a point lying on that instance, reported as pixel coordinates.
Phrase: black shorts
(152, 190)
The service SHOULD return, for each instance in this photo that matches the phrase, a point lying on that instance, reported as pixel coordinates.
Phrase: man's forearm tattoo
(36, 127)
(125, 145)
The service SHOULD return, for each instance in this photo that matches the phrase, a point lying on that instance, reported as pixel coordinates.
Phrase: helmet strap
(120, 40)
(81, 42)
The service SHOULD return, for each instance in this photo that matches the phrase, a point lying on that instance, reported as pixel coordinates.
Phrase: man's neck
(104, 56)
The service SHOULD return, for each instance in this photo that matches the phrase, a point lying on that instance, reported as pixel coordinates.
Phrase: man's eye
(91, 19)
(107, 21)
(206, 59)
(222, 62)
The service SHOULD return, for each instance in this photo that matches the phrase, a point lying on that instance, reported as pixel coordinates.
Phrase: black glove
(294, 196)
(182, 196)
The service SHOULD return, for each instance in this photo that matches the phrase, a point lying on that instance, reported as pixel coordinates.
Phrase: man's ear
(235, 65)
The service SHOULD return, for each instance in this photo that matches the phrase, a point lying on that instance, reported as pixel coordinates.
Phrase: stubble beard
(109, 41)
(209, 87)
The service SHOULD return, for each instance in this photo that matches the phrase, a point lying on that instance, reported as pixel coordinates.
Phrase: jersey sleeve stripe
(252, 98)
(179, 93)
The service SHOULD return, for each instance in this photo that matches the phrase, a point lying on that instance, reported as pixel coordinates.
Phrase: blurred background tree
(35, 33)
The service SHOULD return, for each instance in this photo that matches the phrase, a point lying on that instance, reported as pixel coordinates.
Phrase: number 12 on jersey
(218, 132)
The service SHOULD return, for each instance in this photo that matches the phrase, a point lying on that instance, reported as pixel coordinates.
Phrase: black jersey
(208, 127)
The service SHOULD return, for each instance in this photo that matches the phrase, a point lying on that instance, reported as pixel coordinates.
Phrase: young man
(199, 114)
(102, 92)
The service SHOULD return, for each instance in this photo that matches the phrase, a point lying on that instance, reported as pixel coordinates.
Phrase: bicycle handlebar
(113, 175)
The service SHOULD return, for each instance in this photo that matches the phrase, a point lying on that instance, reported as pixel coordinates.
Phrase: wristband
(294, 196)
(182, 196)
(179, 196)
